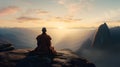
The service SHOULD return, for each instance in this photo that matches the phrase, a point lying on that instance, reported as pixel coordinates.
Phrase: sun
(60, 27)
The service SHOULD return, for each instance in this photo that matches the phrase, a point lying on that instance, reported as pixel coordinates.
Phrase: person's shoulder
(38, 36)
(48, 36)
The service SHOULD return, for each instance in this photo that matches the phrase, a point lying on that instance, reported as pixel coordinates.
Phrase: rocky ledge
(20, 58)
(5, 46)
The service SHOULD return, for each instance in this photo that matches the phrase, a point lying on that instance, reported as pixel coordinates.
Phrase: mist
(77, 40)
(61, 38)
(106, 55)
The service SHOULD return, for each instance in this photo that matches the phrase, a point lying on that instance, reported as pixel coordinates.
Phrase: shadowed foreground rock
(19, 58)
(5, 46)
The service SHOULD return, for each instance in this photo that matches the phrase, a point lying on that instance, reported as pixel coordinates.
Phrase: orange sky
(59, 13)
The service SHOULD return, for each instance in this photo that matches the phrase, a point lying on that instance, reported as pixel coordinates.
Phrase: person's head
(44, 30)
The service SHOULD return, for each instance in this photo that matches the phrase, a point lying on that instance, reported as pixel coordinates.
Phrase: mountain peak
(102, 36)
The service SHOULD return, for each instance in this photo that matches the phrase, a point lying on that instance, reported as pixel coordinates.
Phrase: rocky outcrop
(5, 46)
(102, 36)
(19, 58)
(106, 52)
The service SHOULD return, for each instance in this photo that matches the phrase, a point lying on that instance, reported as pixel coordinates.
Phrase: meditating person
(44, 44)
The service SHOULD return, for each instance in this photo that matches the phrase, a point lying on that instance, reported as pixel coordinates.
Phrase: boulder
(5, 46)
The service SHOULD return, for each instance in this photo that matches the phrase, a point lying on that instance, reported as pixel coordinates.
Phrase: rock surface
(19, 58)
(102, 36)
(5, 46)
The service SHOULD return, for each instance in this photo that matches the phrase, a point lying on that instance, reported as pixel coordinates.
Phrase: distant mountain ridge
(18, 36)
(115, 34)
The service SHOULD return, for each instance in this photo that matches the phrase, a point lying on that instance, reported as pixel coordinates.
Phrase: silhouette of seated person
(44, 44)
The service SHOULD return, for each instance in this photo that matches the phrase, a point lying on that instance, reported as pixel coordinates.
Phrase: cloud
(41, 12)
(9, 10)
(50, 19)
(76, 6)
(28, 19)
(37, 12)
(112, 14)
(61, 1)
(64, 19)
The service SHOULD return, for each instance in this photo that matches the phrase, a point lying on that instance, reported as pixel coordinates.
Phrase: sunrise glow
(69, 13)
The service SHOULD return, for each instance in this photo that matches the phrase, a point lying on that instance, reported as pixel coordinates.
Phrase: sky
(59, 13)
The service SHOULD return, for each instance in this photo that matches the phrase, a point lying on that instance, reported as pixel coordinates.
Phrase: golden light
(60, 27)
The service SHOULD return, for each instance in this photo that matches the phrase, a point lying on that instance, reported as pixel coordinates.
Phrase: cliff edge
(19, 58)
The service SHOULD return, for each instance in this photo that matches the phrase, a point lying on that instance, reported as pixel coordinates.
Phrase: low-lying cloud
(27, 19)
(64, 19)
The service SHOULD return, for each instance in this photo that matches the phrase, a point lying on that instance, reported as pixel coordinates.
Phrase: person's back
(44, 43)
